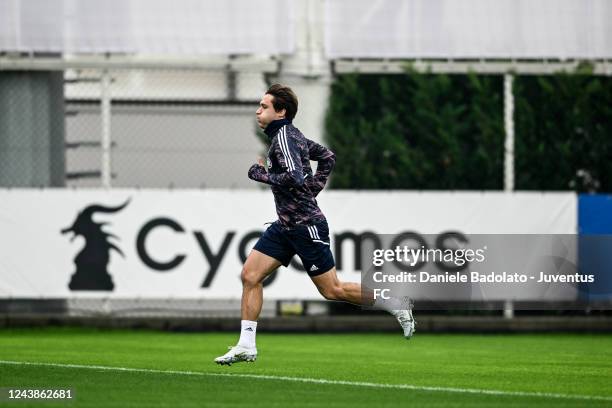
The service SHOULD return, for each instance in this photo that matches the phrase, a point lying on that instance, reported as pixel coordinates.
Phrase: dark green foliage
(425, 131)
(416, 131)
(564, 133)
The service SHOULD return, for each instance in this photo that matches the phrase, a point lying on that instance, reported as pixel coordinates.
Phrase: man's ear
(282, 113)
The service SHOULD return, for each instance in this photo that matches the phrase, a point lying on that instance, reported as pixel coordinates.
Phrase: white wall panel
(177, 27)
(468, 29)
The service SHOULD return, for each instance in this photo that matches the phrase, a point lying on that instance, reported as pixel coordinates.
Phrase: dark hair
(284, 98)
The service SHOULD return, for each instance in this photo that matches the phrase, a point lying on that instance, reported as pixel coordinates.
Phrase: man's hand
(262, 162)
(258, 172)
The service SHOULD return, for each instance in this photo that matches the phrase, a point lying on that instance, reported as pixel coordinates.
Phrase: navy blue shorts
(309, 242)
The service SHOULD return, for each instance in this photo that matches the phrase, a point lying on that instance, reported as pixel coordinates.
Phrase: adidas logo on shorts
(314, 268)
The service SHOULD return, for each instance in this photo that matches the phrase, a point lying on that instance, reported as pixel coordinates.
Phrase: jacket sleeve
(326, 159)
(288, 156)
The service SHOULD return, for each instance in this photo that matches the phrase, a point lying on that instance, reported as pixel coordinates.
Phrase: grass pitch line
(321, 381)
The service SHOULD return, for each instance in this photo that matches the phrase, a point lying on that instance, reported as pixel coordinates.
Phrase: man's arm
(288, 156)
(326, 160)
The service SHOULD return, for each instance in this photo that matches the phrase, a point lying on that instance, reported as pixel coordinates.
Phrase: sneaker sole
(412, 332)
(248, 359)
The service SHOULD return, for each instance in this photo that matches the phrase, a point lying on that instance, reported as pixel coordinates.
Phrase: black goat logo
(92, 261)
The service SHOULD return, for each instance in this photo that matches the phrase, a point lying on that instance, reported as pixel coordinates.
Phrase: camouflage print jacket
(289, 173)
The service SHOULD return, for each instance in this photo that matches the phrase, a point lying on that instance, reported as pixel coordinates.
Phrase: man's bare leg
(254, 271)
(332, 288)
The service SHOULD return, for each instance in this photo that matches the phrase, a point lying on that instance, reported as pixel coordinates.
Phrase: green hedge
(426, 131)
(564, 133)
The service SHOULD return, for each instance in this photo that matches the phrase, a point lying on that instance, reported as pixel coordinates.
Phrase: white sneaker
(237, 354)
(405, 319)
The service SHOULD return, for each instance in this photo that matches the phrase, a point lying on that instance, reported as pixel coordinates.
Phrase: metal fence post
(509, 130)
(105, 100)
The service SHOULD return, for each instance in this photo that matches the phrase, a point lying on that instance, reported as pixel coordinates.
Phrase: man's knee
(250, 276)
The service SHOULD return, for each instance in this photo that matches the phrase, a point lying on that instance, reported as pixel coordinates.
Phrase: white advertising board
(191, 243)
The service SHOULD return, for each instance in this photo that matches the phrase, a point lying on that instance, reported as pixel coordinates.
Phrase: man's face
(266, 113)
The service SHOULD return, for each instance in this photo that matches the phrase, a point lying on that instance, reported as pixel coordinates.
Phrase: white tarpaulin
(468, 28)
(188, 244)
(175, 27)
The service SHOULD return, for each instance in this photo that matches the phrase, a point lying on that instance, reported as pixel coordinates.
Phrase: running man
(301, 227)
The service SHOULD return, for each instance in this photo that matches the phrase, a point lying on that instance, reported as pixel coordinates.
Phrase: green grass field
(155, 369)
